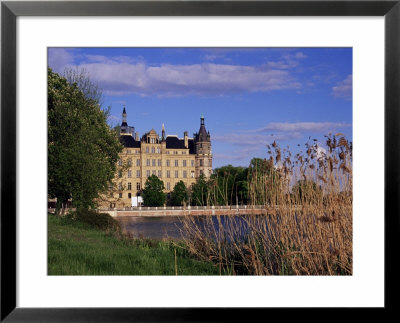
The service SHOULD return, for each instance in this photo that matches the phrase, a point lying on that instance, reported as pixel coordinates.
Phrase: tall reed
(308, 226)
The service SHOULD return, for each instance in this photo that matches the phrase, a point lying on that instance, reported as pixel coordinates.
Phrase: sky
(249, 97)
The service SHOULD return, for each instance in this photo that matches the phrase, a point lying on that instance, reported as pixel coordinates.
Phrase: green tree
(306, 192)
(153, 192)
(263, 182)
(179, 194)
(228, 185)
(82, 149)
(199, 194)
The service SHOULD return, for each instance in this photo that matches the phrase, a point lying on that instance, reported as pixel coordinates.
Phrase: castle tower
(125, 129)
(203, 157)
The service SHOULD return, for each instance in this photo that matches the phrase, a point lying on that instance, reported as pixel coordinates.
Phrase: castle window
(153, 172)
(120, 162)
(120, 186)
(147, 162)
(129, 195)
(168, 174)
(129, 173)
(176, 163)
(137, 162)
(138, 173)
(168, 186)
(192, 162)
(153, 162)
(176, 174)
(167, 152)
(129, 162)
(148, 173)
(159, 162)
(184, 174)
(120, 195)
(159, 174)
(153, 150)
(137, 186)
(167, 162)
(184, 163)
(158, 150)
(120, 173)
(147, 150)
(192, 174)
(129, 186)
(128, 151)
(201, 162)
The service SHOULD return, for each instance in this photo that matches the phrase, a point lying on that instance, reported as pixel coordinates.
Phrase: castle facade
(170, 158)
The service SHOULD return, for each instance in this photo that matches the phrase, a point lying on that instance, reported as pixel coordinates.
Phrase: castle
(170, 158)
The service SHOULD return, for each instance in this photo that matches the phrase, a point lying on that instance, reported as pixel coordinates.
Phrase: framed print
(275, 59)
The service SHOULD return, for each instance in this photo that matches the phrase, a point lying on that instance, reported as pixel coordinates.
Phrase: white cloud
(344, 89)
(302, 127)
(243, 155)
(59, 58)
(179, 80)
(121, 75)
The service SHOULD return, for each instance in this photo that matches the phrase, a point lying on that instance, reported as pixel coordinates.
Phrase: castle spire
(125, 129)
(202, 135)
(124, 118)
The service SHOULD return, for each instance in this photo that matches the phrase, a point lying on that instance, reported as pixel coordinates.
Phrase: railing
(162, 208)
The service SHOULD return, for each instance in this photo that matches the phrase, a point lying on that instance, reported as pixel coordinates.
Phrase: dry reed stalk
(308, 229)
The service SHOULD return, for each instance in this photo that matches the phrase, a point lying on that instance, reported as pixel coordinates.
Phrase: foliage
(82, 149)
(101, 221)
(153, 192)
(263, 180)
(199, 193)
(179, 194)
(229, 185)
(305, 191)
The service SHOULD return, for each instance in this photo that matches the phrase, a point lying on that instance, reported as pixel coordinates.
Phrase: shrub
(101, 221)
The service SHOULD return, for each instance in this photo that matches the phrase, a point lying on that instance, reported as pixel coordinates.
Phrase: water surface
(159, 227)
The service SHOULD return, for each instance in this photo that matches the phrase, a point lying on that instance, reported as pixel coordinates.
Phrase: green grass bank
(81, 248)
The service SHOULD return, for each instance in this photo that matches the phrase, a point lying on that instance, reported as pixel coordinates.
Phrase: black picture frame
(10, 10)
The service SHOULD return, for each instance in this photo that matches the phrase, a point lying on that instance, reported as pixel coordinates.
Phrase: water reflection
(154, 227)
(169, 226)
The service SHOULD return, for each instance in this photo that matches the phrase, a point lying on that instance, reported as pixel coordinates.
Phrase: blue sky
(248, 96)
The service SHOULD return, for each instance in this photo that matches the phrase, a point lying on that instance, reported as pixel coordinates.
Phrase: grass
(76, 248)
(308, 229)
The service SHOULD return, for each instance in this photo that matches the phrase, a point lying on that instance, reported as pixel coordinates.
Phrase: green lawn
(77, 249)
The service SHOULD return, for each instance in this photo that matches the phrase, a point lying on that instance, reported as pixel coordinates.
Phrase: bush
(101, 221)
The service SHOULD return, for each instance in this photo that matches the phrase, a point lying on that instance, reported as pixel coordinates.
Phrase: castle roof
(129, 142)
(202, 135)
(173, 142)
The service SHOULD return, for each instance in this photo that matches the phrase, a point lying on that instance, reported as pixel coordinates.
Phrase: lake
(154, 227)
(158, 227)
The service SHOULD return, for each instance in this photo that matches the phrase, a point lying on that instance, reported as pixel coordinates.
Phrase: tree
(179, 194)
(229, 185)
(263, 182)
(82, 149)
(199, 192)
(152, 193)
(306, 192)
